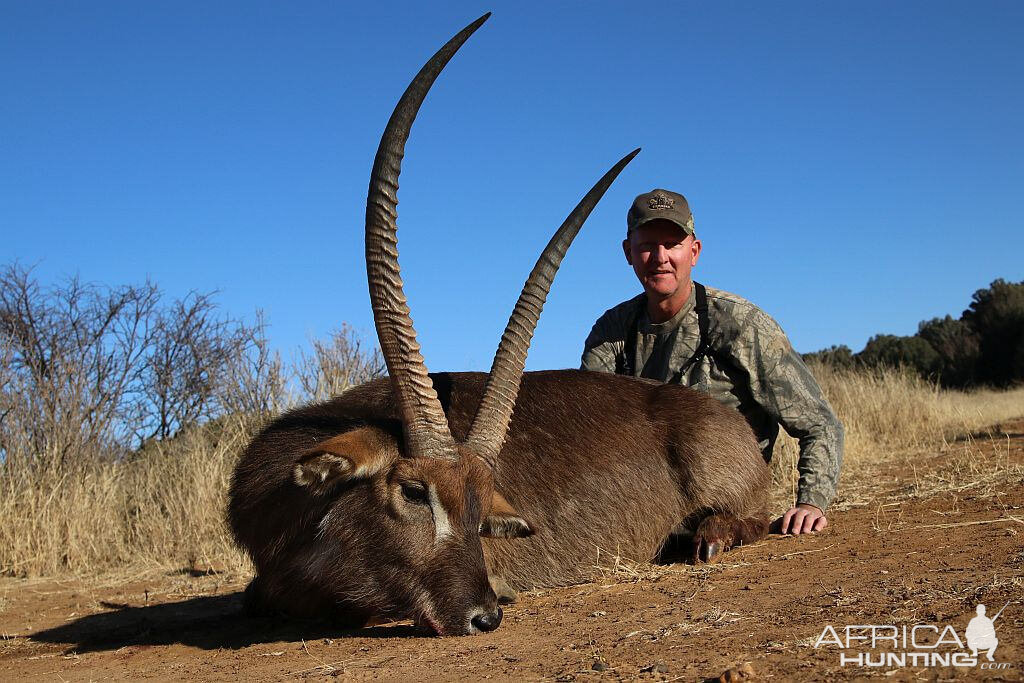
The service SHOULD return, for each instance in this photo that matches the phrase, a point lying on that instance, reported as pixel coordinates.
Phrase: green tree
(957, 345)
(839, 357)
(887, 350)
(996, 315)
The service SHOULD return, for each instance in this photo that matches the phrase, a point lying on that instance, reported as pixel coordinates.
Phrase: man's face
(662, 256)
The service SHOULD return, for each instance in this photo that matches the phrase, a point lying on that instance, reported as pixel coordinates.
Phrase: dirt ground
(897, 553)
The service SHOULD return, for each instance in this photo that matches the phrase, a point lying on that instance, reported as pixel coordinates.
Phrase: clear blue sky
(853, 167)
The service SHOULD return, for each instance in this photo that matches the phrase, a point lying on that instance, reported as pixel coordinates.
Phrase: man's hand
(803, 519)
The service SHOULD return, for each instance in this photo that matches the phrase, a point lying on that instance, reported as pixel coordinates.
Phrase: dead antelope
(372, 505)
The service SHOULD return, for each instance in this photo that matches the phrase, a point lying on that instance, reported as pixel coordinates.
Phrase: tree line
(983, 347)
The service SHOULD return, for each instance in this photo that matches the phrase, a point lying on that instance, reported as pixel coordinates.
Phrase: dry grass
(75, 500)
(894, 417)
(165, 508)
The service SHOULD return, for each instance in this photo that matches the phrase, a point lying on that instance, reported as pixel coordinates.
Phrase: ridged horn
(426, 428)
(492, 418)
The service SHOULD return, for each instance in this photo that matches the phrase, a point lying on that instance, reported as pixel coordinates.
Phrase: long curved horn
(492, 418)
(424, 422)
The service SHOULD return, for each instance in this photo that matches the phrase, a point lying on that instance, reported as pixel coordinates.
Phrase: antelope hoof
(713, 537)
(708, 548)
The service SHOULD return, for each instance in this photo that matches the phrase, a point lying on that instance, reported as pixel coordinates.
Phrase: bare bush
(255, 380)
(74, 359)
(336, 364)
(189, 364)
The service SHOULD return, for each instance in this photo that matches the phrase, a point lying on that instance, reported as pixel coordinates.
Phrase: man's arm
(598, 353)
(796, 399)
(781, 383)
(607, 338)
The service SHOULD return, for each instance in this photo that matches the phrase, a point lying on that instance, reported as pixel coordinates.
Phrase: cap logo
(660, 202)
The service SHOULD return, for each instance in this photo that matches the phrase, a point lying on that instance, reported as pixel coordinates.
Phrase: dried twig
(807, 552)
(1009, 518)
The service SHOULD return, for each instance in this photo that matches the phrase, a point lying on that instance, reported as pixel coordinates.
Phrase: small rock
(743, 672)
(599, 613)
(660, 668)
(598, 665)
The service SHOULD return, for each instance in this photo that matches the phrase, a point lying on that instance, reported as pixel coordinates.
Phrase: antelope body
(406, 496)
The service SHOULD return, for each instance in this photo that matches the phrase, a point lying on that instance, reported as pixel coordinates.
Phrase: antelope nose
(488, 621)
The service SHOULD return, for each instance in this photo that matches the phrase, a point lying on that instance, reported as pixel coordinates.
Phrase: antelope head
(402, 539)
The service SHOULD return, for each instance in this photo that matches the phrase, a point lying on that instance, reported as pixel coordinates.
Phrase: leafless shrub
(336, 364)
(255, 380)
(94, 371)
(189, 364)
(74, 357)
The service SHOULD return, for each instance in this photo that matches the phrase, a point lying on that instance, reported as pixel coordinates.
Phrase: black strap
(625, 364)
(703, 324)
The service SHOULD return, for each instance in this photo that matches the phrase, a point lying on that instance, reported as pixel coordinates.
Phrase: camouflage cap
(660, 205)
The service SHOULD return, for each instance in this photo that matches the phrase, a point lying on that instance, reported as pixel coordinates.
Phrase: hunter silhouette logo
(981, 633)
(919, 645)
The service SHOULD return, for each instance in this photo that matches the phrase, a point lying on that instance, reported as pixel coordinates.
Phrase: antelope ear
(503, 521)
(357, 454)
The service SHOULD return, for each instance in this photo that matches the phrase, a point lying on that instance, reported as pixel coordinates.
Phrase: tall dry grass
(163, 507)
(893, 416)
(80, 507)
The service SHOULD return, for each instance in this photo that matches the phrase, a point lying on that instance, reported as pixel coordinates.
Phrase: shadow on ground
(209, 623)
(215, 622)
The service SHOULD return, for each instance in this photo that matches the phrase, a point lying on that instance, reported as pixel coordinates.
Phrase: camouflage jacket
(751, 367)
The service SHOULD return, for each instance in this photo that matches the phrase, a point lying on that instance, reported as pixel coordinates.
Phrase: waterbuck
(407, 496)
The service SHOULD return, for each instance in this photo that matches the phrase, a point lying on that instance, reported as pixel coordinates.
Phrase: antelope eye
(414, 492)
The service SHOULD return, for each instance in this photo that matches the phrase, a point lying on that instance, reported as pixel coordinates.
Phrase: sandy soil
(896, 555)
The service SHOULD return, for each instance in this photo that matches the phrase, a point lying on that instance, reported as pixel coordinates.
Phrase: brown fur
(597, 465)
